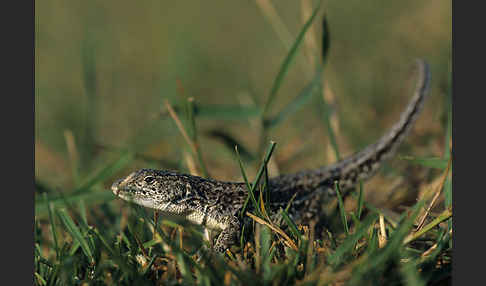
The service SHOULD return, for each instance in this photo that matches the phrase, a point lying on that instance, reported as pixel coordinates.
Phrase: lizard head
(155, 189)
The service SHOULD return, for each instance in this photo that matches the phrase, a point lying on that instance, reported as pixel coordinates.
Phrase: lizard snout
(120, 184)
(115, 188)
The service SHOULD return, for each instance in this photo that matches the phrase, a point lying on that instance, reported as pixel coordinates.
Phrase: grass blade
(326, 112)
(40, 280)
(448, 137)
(228, 112)
(221, 111)
(190, 142)
(41, 207)
(230, 142)
(360, 199)
(411, 275)
(75, 233)
(337, 257)
(185, 270)
(393, 246)
(432, 162)
(265, 242)
(300, 100)
(192, 121)
(288, 61)
(326, 40)
(287, 240)
(344, 219)
(248, 186)
(108, 171)
(442, 217)
(260, 172)
(52, 224)
(291, 224)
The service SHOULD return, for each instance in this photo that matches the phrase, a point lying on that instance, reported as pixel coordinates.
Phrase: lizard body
(216, 204)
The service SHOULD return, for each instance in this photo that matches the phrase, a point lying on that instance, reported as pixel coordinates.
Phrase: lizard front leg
(229, 235)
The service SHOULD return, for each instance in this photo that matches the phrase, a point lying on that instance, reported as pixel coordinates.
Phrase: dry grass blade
(310, 40)
(436, 196)
(288, 241)
(180, 126)
(191, 142)
(272, 15)
(433, 247)
(72, 152)
(140, 245)
(262, 207)
(325, 274)
(445, 215)
(191, 165)
(382, 234)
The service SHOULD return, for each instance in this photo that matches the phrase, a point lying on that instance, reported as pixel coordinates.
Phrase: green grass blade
(448, 136)
(431, 162)
(342, 211)
(104, 241)
(265, 242)
(220, 111)
(326, 40)
(392, 248)
(372, 242)
(326, 111)
(41, 207)
(251, 195)
(230, 142)
(260, 171)
(443, 240)
(411, 274)
(348, 245)
(354, 218)
(360, 199)
(291, 224)
(227, 112)
(447, 153)
(90, 83)
(448, 197)
(442, 217)
(288, 61)
(193, 132)
(75, 233)
(185, 270)
(52, 224)
(114, 255)
(82, 211)
(325, 108)
(267, 183)
(108, 171)
(298, 102)
(40, 280)
(266, 159)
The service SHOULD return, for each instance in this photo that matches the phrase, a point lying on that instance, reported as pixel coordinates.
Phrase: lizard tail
(364, 164)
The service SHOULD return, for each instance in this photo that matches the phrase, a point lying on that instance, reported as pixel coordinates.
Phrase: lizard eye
(149, 179)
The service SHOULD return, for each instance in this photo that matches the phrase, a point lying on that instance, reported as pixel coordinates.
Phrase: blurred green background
(104, 68)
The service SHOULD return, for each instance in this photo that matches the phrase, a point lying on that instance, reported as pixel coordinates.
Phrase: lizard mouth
(142, 201)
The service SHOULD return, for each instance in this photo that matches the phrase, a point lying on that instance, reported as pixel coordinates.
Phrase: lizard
(216, 204)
